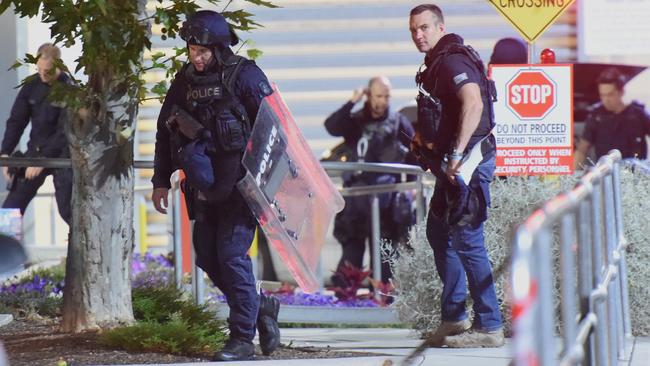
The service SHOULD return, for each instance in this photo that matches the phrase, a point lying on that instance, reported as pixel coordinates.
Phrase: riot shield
(288, 191)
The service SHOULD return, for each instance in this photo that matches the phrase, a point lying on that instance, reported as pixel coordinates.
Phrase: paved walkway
(396, 344)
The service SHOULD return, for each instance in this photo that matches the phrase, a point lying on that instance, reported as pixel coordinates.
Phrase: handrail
(374, 190)
(392, 168)
(330, 168)
(589, 214)
(57, 163)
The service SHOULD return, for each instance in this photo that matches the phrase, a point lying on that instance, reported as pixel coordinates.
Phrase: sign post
(534, 119)
(534, 122)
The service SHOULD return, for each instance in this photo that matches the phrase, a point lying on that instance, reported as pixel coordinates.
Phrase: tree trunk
(97, 290)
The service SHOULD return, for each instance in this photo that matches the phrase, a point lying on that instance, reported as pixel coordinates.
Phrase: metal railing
(57, 163)
(333, 169)
(375, 190)
(595, 319)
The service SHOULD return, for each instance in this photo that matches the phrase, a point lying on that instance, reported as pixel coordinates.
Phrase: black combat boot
(236, 350)
(267, 324)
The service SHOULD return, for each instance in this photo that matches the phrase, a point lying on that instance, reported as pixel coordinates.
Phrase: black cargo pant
(221, 241)
(25, 190)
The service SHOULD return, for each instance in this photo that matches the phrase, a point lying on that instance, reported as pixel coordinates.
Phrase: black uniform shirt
(454, 71)
(351, 125)
(625, 131)
(47, 137)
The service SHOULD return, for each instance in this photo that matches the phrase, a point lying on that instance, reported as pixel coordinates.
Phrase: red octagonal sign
(531, 94)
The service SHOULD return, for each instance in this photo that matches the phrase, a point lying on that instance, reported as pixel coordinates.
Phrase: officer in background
(203, 128)
(46, 139)
(378, 135)
(455, 115)
(509, 51)
(612, 124)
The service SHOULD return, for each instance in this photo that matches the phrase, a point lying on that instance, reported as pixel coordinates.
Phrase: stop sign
(531, 94)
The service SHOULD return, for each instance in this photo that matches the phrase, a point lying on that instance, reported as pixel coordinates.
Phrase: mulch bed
(39, 342)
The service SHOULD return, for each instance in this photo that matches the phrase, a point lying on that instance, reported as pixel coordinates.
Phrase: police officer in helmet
(203, 127)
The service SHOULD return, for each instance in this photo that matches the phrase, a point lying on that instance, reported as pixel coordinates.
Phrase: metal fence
(57, 239)
(593, 295)
(334, 169)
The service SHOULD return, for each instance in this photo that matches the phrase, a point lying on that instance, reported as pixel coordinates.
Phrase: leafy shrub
(420, 289)
(168, 321)
(176, 336)
(156, 303)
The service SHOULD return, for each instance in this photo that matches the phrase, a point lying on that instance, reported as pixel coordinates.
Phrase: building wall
(318, 51)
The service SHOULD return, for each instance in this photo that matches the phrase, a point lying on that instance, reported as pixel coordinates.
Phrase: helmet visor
(201, 36)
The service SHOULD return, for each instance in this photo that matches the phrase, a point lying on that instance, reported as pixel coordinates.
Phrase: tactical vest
(430, 109)
(211, 100)
(379, 142)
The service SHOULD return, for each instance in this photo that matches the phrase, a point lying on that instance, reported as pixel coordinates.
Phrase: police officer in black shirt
(46, 139)
(454, 116)
(203, 127)
(612, 124)
(378, 135)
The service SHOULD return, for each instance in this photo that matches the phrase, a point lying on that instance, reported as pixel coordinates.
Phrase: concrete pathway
(396, 344)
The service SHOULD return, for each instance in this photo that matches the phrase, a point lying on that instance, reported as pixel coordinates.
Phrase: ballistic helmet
(208, 28)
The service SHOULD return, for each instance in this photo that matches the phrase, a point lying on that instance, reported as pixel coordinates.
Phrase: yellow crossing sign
(531, 17)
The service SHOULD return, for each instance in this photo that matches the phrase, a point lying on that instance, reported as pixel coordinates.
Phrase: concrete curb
(325, 314)
(6, 319)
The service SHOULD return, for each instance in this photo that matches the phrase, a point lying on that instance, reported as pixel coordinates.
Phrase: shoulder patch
(460, 78)
(265, 88)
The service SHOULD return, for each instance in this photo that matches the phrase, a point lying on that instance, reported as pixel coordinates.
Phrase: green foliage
(160, 303)
(38, 293)
(415, 276)
(254, 53)
(55, 273)
(27, 304)
(168, 321)
(114, 34)
(513, 199)
(176, 336)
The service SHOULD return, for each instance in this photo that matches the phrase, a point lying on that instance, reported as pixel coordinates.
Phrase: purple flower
(137, 267)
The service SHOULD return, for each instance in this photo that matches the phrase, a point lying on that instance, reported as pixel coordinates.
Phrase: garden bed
(39, 342)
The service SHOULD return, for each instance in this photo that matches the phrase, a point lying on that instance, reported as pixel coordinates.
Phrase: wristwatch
(454, 155)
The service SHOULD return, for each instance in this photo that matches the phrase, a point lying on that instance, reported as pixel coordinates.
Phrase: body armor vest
(431, 112)
(210, 99)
